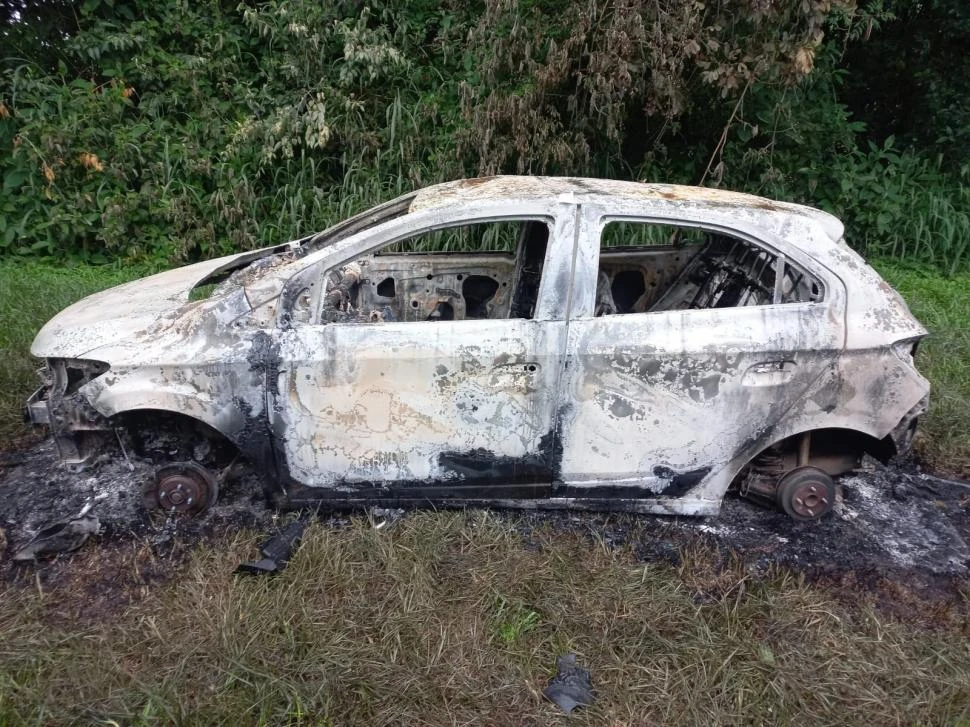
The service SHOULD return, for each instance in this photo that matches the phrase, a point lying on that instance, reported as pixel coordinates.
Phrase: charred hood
(121, 312)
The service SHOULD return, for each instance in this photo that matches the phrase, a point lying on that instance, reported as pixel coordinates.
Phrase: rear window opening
(646, 267)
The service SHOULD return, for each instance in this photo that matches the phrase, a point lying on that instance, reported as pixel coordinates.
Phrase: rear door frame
(702, 486)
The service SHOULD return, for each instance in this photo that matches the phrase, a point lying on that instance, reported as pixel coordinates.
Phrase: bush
(170, 131)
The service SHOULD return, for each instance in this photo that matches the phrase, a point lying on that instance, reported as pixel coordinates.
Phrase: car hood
(117, 314)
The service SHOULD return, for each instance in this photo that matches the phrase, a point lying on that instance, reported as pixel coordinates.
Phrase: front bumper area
(77, 428)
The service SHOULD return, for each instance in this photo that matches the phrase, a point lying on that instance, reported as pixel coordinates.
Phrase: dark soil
(898, 537)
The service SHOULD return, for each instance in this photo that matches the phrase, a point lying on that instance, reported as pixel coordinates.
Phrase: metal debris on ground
(389, 515)
(63, 537)
(571, 687)
(276, 551)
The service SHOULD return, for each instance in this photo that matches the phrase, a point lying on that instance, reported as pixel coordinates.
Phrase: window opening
(648, 267)
(472, 271)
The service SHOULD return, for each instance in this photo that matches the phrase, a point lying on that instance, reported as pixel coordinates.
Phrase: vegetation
(136, 135)
(167, 131)
(456, 618)
(943, 306)
(445, 618)
(30, 294)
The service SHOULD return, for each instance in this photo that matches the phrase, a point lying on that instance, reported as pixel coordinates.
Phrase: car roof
(511, 188)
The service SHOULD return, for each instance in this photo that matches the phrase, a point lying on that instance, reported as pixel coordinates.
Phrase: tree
(911, 78)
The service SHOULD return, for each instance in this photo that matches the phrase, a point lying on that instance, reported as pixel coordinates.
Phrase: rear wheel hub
(806, 493)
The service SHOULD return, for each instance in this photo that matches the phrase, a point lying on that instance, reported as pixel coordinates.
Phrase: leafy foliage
(911, 79)
(563, 86)
(189, 129)
(170, 131)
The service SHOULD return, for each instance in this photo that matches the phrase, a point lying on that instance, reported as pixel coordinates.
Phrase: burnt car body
(601, 345)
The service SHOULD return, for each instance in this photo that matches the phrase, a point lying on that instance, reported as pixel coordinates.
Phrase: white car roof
(512, 188)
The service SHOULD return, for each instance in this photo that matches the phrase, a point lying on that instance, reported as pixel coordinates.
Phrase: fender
(244, 423)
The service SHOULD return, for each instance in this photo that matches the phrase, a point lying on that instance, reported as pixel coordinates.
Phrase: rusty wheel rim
(809, 499)
(184, 488)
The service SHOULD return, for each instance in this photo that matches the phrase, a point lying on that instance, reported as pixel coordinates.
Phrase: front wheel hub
(181, 487)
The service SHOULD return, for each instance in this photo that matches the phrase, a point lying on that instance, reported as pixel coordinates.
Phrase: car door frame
(699, 491)
(550, 314)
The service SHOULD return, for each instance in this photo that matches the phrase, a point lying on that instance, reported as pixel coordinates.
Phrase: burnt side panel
(482, 467)
(679, 483)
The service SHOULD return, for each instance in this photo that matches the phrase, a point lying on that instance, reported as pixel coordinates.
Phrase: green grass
(446, 618)
(30, 294)
(942, 304)
(411, 625)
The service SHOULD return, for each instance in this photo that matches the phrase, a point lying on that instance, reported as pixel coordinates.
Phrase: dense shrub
(172, 130)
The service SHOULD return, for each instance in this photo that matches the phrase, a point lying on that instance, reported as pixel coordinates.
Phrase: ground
(443, 617)
(895, 548)
(893, 520)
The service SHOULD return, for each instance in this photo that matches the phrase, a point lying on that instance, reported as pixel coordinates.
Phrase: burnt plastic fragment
(571, 687)
(276, 551)
(62, 537)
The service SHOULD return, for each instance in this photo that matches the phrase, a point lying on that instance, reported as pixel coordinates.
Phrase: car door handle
(769, 373)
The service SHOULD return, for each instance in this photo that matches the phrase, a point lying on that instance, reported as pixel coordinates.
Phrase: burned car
(512, 341)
